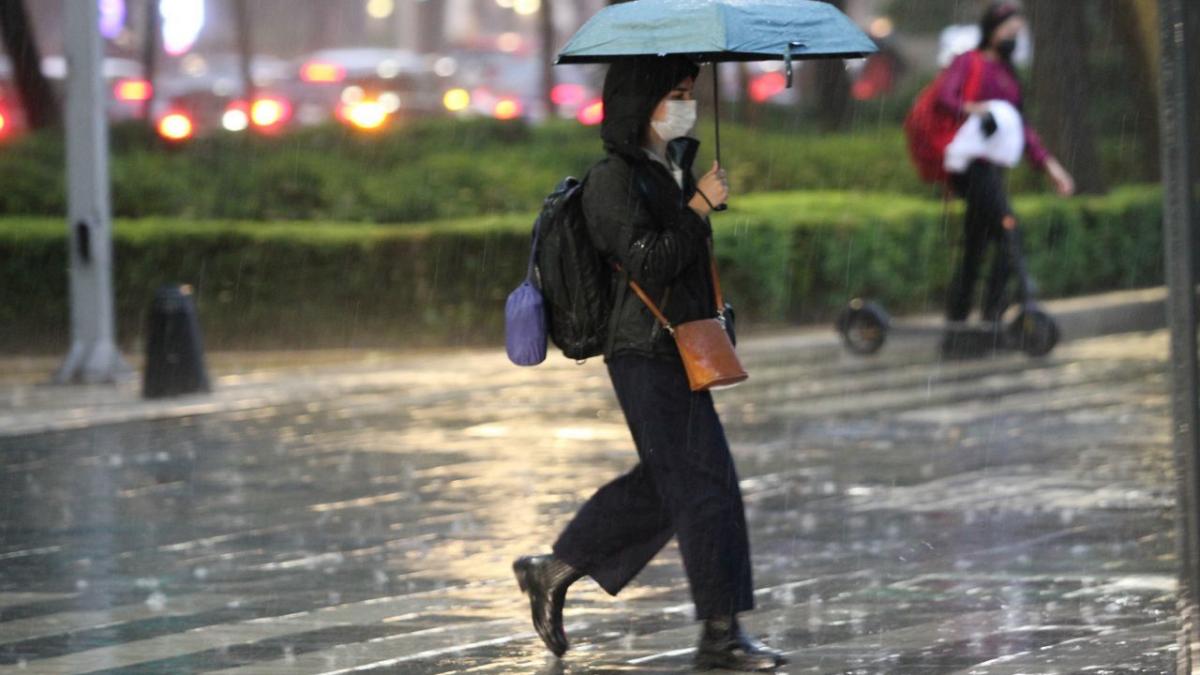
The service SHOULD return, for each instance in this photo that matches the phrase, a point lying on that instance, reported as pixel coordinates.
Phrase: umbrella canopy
(718, 30)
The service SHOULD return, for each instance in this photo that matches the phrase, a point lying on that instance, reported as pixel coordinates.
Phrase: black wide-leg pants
(685, 485)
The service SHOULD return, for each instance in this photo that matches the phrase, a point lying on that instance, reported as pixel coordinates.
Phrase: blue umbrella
(718, 30)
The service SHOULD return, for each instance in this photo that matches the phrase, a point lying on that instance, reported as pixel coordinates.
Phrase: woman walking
(988, 72)
(647, 212)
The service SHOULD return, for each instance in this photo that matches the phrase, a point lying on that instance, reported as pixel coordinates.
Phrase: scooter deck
(865, 327)
(964, 327)
(976, 340)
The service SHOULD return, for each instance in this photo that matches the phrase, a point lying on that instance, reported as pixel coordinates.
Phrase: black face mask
(1006, 48)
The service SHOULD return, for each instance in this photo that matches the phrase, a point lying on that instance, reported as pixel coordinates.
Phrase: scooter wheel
(1034, 332)
(863, 326)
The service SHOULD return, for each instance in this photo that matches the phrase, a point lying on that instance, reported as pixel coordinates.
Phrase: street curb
(85, 407)
(1110, 313)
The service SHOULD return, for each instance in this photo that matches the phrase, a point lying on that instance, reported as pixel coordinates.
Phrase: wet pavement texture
(908, 516)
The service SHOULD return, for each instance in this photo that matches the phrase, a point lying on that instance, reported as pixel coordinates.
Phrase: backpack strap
(974, 78)
(537, 232)
(662, 319)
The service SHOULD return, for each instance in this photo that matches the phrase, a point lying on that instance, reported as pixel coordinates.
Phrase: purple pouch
(525, 318)
(525, 325)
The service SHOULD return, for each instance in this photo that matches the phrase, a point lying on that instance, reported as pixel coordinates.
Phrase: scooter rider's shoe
(545, 580)
(725, 645)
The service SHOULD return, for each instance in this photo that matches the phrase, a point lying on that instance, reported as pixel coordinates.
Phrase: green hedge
(793, 257)
(438, 169)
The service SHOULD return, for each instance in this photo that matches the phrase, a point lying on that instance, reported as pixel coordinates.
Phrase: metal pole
(93, 356)
(1180, 241)
(549, 43)
(245, 47)
(150, 49)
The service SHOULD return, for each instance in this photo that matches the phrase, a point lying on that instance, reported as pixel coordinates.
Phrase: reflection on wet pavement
(996, 517)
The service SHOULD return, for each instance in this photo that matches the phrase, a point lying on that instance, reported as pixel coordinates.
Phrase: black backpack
(575, 279)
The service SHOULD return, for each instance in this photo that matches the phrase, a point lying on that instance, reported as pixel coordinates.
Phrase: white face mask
(681, 117)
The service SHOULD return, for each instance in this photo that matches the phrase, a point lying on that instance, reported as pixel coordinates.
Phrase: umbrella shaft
(717, 109)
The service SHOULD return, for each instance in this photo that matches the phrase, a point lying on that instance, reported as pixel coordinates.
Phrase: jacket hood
(633, 87)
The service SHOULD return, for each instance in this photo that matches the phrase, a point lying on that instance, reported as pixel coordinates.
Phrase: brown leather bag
(708, 355)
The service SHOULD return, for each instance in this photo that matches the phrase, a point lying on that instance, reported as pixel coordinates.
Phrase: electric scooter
(865, 325)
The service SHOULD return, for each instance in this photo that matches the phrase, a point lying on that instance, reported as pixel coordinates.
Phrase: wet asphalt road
(908, 516)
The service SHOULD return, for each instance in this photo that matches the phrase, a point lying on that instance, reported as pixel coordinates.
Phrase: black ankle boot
(545, 579)
(724, 645)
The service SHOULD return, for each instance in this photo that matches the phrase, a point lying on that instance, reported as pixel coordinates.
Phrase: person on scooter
(989, 216)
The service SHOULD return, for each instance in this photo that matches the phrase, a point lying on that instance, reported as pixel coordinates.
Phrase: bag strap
(716, 280)
(974, 78)
(662, 319)
(537, 233)
(652, 307)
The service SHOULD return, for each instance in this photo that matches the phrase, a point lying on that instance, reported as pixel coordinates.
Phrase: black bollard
(174, 351)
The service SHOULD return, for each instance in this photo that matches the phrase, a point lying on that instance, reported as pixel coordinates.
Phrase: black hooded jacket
(638, 216)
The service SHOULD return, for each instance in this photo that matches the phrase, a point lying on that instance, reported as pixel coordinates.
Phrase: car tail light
(270, 112)
(176, 126)
(366, 115)
(133, 91)
(568, 94)
(766, 86)
(318, 72)
(507, 109)
(591, 114)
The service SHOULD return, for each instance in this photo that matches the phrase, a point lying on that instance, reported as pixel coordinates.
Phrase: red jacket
(996, 82)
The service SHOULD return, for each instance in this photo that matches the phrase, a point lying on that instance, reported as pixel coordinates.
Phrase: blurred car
(365, 87)
(127, 90)
(205, 93)
(507, 84)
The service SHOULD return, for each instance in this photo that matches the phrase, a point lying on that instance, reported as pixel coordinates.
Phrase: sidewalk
(253, 380)
(907, 515)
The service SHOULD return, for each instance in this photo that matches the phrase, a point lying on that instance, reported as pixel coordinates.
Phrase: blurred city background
(442, 123)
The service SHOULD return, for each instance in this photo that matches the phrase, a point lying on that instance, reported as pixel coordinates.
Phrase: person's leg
(996, 298)
(625, 523)
(617, 531)
(686, 485)
(701, 487)
(971, 186)
(613, 535)
(999, 218)
(682, 445)
(700, 484)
